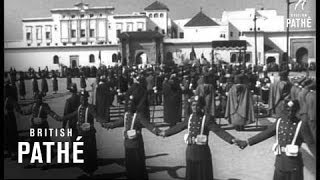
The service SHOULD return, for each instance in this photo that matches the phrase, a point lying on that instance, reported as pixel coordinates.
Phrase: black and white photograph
(160, 89)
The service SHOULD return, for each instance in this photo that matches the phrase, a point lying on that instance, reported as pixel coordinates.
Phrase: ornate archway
(302, 55)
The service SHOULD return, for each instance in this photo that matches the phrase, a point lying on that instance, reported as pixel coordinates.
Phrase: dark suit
(286, 167)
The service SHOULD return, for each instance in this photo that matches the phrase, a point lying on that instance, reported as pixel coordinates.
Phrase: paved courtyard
(165, 156)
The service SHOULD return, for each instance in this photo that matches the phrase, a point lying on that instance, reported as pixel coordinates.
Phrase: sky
(16, 10)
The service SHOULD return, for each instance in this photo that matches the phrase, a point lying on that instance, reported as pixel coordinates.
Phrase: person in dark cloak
(69, 80)
(290, 133)
(10, 124)
(198, 154)
(54, 83)
(85, 115)
(133, 121)
(239, 110)
(265, 87)
(83, 83)
(35, 87)
(103, 99)
(279, 91)
(22, 86)
(172, 105)
(44, 84)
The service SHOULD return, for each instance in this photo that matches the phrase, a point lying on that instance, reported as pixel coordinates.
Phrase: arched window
(150, 15)
(114, 57)
(91, 58)
(155, 15)
(161, 15)
(247, 57)
(55, 59)
(233, 58)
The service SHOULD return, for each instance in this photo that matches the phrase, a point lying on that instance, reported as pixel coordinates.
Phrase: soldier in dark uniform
(54, 83)
(133, 121)
(44, 84)
(265, 87)
(10, 124)
(290, 132)
(84, 116)
(198, 154)
(35, 87)
(71, 106)
(22, 86)
(39, 112)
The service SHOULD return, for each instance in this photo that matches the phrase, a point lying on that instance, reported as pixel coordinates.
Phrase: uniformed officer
(290, 132)
(198, 154)
(39, 112)
(133, 121)
(84, 116)
(71, 105)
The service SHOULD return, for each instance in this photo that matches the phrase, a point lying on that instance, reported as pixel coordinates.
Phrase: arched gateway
(140, 47)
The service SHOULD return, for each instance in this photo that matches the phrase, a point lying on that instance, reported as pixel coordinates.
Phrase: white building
(79, 36)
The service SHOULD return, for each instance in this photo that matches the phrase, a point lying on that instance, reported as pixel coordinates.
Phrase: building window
(91, 15)
(55, 59)
(48, 44)
(73, 33)
(181, 35)
(63, 16)
(91, 58)
(48, 35)
(91, 33)
(239, 33)
(129, 27)
(73, 16)
(118, 32)
(74, 44)
(163, 32)
(150, 15)
(233, 58)
(258, 29)
(114, 57)
(140, 26)
(82, 15)
(82, 33)
(155, 15)
(250, 29)
(28, 35)
(231, 34)
(64, 44)
(222, 35)
(39, 32)
(161, 15)
(100, 15)
(29, 44)
(84, 43)
(38, 44)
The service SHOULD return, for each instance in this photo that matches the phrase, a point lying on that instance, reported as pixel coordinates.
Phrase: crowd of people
(200, 94)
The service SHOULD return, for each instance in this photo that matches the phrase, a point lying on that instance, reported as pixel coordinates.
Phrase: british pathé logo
(302, 2)
(299, 20)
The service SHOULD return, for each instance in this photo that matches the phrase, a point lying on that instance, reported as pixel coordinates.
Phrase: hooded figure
(172, 105)
(239, 110)
(133, 121)
(103, 99)
(279, 90)
(198, 154)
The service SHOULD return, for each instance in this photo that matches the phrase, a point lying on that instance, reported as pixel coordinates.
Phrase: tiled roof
(157, 6)
(201, 20)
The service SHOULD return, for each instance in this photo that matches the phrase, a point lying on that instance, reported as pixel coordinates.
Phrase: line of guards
(205, 92)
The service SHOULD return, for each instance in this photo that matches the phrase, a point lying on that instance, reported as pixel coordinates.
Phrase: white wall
(205, 33)
(161, 22)
(24, 58)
